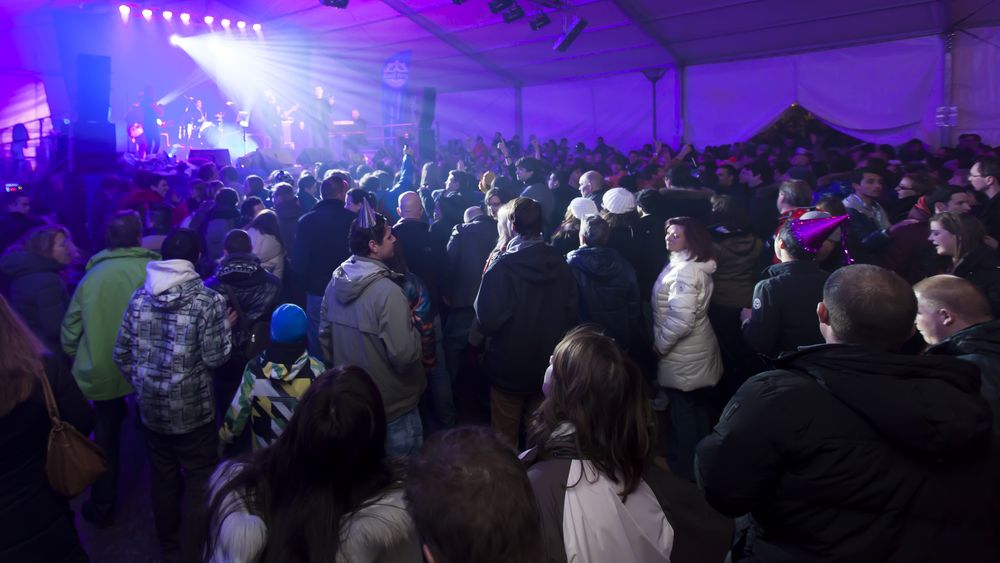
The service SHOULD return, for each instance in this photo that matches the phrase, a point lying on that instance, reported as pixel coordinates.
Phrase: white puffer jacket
(682, 335)
(269, 250)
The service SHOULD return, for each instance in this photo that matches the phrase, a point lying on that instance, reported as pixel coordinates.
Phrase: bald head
(867, 305)
(948, 304)
(410, 206)
(591, 182)
(471, 213)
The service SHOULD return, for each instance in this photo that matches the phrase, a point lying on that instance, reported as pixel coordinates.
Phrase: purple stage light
(256, 27)
(225, 22)
(147, 14)
(185, 18)
(209, 20)
(168, 15)
(124, 11)
(241, 24)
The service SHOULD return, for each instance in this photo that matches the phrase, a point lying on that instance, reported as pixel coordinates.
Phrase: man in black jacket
(784, 302)
(954, 317)
(468, 249)
(321, 244)
(985, 179)
(424, 253)
(851, 452)
(609, 292)
(527, 301)
(253, 294)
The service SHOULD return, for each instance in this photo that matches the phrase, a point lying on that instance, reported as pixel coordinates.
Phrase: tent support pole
(519, 111)
(679, 102)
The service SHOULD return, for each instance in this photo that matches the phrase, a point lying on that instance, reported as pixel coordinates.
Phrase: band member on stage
(151, 112)
(268, 121)
(194, 118)
(322, 115)
(358, 137)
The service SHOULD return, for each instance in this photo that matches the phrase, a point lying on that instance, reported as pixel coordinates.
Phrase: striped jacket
(268, 396)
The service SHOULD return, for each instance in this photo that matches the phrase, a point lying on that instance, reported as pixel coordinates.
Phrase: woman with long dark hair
(31, 271)
(961, 238)
(690, 361)
(36, 523)
(590, 443)
(324, 491)
(267, 243)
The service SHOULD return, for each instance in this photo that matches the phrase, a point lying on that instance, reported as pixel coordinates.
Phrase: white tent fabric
(977, 83)
(884, 92)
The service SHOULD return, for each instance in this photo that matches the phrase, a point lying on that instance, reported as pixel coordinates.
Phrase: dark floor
(700, 534)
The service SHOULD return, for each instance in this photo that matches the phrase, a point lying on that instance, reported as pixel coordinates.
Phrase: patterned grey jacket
(173, 332)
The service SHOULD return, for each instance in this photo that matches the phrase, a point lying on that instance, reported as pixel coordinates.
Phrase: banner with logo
(395, 93)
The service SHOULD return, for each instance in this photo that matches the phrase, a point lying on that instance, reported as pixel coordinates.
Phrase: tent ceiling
(465, 47)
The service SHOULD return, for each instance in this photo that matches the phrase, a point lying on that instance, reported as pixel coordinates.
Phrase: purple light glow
(225, 22)
(168, 15)
(124, 11)
(185, 18)
(241, 24)
(209, 20)
(147, 14)
(256, 27)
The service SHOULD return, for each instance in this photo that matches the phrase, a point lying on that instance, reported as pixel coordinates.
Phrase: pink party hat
(367, 218)
(811, 233)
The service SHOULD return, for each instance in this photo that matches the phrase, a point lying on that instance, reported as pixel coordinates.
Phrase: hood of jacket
(288, 210)
(286, 372)
(21, 263)
(602, 263)
(708, 266)
(136, 252)
(793, 267)
(353, 277)
(929, 405)
(169, 282)
(533, 261)
(236, 269)
(983, 338)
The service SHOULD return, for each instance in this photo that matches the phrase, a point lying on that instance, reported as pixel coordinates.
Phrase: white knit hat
(618, 201)
(581, 207)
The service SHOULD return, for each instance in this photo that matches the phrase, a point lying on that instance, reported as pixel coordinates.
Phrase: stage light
(540, 21)
(515, 13)
(124, 10)
(147, 14)
(335, 3)
(168, 15)
(256, 27)
(209, 20)
(185, 18)
(175, 40)
(573, 30)
(225, 22)
(241, 24)
(497, 6)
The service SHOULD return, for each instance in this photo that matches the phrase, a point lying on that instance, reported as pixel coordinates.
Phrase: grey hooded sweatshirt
(366, 321)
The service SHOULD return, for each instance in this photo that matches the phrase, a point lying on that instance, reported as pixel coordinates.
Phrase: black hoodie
(850, 454)
(526, 302)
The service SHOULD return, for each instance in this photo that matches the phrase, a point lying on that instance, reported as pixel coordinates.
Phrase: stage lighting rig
(540, 21)
(497, 6)
(335, 3)
(458, 2)
(572, 31)
(513, 14)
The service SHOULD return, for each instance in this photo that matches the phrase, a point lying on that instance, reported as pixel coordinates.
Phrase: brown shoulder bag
(73, 462)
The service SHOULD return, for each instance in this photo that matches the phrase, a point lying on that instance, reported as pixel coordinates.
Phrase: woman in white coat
(265, 238)
(684, 341)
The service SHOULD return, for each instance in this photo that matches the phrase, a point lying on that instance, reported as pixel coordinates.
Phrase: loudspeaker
(219, 156)
(93, 87)
(427, 108)
(426, 145)
(92, 146)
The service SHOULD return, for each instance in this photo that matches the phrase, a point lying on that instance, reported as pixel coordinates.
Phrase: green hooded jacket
(90, 327)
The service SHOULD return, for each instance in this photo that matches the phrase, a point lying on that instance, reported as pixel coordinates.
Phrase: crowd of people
(344, 361)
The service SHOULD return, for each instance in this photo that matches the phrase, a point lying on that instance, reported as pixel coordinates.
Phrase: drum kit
(225, 128)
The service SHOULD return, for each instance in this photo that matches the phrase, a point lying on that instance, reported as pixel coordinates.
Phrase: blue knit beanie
(288, 324)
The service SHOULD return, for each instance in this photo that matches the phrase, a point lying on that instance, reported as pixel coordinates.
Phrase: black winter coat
(609, 292)
(36, 523)
(256, 291)
(13, 226)
(321, 244)
(784, 308)
(425, 254)
(288, 221)
(527, 301)
(468, 249)
(981, 266)
(979, 344)
(853, 455)
(654, 253)
(37, 292)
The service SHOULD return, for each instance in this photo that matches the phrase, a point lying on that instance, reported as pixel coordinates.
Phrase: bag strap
(242, 318)
(50, 400)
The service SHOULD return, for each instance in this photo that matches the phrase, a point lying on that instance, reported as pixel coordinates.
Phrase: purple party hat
(811, 233)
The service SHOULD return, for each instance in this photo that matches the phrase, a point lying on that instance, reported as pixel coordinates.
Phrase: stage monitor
(219, 156)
